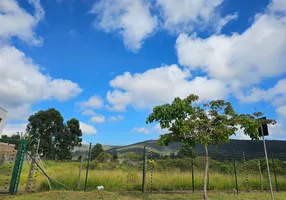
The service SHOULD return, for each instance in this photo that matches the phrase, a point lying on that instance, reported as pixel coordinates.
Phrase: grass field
(68, 195)
(130, 180)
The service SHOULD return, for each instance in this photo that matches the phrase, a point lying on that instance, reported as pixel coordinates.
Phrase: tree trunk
(206, 173)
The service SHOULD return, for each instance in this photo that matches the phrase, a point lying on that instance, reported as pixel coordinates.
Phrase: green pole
(22, 157)
(144, 170)
(234, 168)
(274, 170)
(193, 178)
(87, 167)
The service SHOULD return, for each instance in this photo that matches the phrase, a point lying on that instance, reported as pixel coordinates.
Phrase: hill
(252, 149)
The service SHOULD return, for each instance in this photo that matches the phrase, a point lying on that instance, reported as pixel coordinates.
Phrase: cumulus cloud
(88, 112)
(140, 130)
(16, 22)
(275, 95)
(116, 118)
(93, 102)
(97, 119)
(160, 85)
(136, 20)
(87, 128)
(12, 129)
(239, 59)
(132, 19)
(187, 15)
(22, 84)
(281, 111)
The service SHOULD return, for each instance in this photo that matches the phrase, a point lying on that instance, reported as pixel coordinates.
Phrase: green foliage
(209, 123)
(57, 139)
(96, 150)
(103, 157)
(186, 151)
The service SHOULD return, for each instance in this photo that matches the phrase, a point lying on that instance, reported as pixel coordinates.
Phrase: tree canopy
(96, 150)
(57, 138)
(191, 122)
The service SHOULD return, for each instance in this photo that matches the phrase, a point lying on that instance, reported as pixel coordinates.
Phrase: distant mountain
(251, 149)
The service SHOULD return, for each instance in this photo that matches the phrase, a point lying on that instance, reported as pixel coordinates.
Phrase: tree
(96, 150)
(210, 123)
(57, 139)
(186, 151)
(68, 139)
(103, 157)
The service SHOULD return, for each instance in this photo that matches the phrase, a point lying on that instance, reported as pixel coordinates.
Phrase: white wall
(3, 115)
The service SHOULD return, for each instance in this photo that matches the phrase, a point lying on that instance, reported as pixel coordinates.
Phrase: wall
(3, 115)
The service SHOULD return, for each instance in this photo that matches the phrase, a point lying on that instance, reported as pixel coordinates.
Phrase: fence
(232, 171)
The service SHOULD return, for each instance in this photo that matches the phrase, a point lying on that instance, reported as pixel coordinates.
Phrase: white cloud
(240, 59)
(132, 19)
(275, 95)
(157, 129)
(16, 22)
(281, 111)
(23, 84)
(277, 131)
(278, 6)
(87, 128)
(88, 112)
(11, 129)
(223, 21)
(186, 15)
(161, 85)
(116, 118)
(84, 142)
(97, 119)
(93, 102)
(140, 130)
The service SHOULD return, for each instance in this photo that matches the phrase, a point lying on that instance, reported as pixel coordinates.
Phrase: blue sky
(108, 63)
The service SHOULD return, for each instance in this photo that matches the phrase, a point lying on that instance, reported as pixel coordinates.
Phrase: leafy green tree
(103, 157)
(57, 139)
(96, 150)
(210, 123)
(68, 139)
(186, 150)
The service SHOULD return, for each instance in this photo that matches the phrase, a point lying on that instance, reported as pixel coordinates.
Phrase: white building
(3, 115)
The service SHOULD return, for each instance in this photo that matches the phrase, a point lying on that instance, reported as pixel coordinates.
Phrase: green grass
(70, 195)
(130, 180)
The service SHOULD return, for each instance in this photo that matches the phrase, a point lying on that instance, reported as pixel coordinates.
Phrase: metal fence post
(274, 170)
(260, 174)
(86, 175)
(234, 169)
(79, 173)
(193, 178)
(144, 170)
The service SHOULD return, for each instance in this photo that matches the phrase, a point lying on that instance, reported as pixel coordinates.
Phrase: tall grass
(130, 180)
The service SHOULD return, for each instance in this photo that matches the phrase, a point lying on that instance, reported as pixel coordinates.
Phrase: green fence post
(86, 175)
(234, 169)
(17, 167)
(193, 178)
(274, 170)
(144, 170)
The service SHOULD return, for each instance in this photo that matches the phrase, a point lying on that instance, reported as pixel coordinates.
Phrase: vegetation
(69, 195)
(206, 124)
(57, 139)
(125, 174)
(96, 150)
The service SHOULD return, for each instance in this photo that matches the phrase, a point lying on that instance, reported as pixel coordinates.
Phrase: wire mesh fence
(229, 171)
